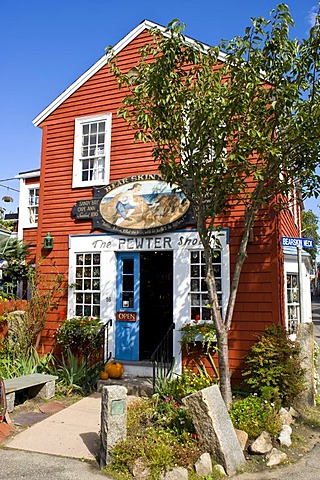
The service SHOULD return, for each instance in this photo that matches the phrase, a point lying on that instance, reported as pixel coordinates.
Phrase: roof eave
(146, 24)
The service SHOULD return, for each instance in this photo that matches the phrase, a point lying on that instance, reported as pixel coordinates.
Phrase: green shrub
(172, 415)
(254, 415)
(76, 333)
(178, 387)
(273, 366)
(160, 447)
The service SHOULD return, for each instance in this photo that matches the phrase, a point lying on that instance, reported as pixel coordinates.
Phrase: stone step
(138, 386)
(142, 368)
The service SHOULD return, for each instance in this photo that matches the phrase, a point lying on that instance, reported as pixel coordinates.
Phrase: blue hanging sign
(297, 242)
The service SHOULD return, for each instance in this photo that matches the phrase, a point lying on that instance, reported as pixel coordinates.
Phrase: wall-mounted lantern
(48, 241)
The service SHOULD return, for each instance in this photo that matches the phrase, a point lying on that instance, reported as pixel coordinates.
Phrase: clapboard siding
(30, 238)
(260, 295)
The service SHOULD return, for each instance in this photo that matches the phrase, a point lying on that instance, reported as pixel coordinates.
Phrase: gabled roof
(28, 174)
(145, 25)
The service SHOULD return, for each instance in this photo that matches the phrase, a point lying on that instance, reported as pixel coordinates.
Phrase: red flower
(62, 314)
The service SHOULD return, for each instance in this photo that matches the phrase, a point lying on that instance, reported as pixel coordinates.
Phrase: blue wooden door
(127, 304)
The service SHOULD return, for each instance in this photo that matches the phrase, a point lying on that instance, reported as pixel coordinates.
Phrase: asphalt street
(305, 469)
(15, 464)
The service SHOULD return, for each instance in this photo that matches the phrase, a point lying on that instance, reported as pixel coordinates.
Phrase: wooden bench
(37, 384)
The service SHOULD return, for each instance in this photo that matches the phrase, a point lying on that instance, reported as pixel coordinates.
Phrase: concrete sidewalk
(72, 432)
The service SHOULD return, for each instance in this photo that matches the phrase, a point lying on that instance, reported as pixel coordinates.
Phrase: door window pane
(127, 283)
(128, 266)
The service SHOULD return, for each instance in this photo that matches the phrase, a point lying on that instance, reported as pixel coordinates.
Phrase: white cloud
(312, 16)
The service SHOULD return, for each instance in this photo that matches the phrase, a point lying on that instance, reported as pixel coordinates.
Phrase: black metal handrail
(106, 347)
(162, 357)
(95, 355)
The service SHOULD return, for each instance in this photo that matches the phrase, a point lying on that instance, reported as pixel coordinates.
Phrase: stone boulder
(140, 470)
(242, 438)
(262, 444)
(285, 416)
(214, 427)
(177, 473)
(219, 469)
(275, 457)
(285, 436)
(203, 465)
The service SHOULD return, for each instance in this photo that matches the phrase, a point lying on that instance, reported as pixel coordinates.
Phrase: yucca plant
(71, 372)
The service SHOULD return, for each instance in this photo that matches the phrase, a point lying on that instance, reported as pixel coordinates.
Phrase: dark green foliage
(254, 415)
(178, 387)
(72, 372)
(273, 367)
(310, 227)
(76, 333)
(80, 340)
(15, 253)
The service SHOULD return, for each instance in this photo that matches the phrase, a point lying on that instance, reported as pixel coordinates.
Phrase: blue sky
(47, 44)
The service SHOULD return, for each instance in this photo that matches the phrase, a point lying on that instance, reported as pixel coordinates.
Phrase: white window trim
(291, 267)
(77, 181)
(24, 206)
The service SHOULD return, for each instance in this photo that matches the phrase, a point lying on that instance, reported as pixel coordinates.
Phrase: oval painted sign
(144, 206)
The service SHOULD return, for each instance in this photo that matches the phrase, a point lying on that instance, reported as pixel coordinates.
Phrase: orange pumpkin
(114, 369)
(104, 375)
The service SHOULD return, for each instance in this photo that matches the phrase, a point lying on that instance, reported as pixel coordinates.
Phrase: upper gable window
(33, 205)
(92, 150)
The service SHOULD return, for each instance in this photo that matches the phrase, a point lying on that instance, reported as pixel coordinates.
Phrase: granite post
(305, 340)
(214, 427)
(113, 420)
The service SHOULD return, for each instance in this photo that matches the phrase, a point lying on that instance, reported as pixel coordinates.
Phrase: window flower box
(195, 331)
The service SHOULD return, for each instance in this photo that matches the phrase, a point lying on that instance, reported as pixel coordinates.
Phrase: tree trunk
(224, 370)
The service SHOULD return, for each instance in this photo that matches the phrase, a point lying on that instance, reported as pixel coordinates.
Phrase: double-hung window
(33, 204)
(293, 302)
(87, 285)
(92, 150)
(200, 309)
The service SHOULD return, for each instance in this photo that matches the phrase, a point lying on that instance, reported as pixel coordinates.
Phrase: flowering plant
(195, 331)
(77, 332)
(254, 415)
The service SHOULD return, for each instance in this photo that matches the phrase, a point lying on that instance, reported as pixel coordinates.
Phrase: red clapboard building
(126, 240)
